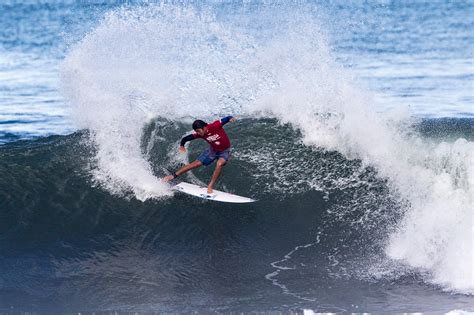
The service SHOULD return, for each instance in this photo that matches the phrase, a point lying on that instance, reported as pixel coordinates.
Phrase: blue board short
(208, 156)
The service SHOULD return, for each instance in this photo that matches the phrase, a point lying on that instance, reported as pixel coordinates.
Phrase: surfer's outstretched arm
(183, 142)
(225, 120)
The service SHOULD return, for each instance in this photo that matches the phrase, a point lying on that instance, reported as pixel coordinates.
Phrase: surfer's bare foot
(167, 178)
(209, 189)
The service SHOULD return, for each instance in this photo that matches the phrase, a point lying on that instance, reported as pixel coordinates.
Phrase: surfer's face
(201, 131)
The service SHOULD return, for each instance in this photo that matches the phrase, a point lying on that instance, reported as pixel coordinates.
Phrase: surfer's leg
(220, 163)
(183, 170)
(188, 167)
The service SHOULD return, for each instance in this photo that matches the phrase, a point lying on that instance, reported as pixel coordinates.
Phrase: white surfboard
(217, 195)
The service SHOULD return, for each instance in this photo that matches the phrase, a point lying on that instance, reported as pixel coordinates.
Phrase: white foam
(160, 60)
(178, 62)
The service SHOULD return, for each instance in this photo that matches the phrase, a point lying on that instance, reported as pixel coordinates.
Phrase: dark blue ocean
(354, 131)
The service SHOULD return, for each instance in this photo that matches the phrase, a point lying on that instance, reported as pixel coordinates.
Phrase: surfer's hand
(182, 149)
(232, 119)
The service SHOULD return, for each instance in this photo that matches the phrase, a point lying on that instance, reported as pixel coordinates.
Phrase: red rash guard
(215, 136)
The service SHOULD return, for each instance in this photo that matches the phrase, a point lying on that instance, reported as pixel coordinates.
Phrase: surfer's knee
(221, 162)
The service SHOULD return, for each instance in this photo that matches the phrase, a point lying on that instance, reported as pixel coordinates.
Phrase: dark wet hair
(197, 124)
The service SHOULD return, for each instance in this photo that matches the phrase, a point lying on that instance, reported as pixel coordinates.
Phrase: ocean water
(355, 132)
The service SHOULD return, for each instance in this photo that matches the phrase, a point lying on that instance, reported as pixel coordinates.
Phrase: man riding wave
(219, 148)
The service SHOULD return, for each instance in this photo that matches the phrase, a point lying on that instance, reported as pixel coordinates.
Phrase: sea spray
(182, 63)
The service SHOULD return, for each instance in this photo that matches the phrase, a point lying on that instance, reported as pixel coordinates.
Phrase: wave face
(323, 220)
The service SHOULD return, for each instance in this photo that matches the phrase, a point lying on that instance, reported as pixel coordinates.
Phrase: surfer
(219, 148)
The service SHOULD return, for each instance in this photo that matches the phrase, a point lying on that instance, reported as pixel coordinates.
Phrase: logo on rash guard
(213, 138)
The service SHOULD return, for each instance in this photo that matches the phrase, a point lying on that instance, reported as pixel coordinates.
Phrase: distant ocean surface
(355, 132)
(416, 55)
